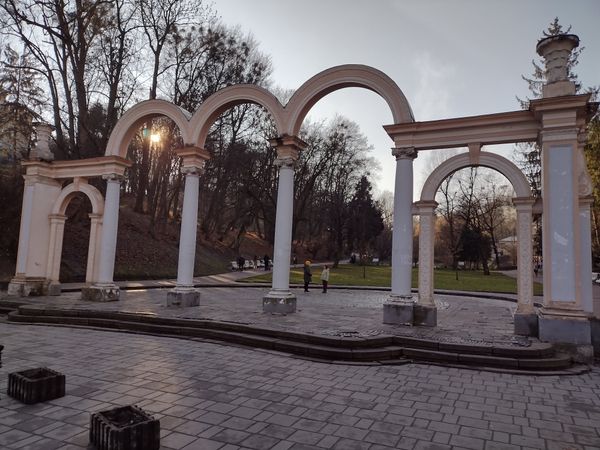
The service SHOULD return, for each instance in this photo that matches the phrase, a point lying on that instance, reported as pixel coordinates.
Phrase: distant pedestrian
(325, 278)
(295, 260)
(536, 269)
(266, 261)
(241, 262)
(255, 262)
(307, 275)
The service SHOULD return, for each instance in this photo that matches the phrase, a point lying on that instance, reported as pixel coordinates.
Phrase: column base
(425, 315)
(279, 302)
(183, 298)
(28, 287)
(595, 324)
(564, 327)
(101, 293)
(399, 310)
(526, 324)
(54, 288)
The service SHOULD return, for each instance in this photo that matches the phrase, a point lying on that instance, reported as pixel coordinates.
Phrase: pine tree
(22, 101)
(365, 217)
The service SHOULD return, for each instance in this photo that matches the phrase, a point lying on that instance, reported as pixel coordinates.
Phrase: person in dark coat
(266, 261)
(307, 275)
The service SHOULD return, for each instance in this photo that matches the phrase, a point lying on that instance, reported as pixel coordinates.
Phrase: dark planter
(36, 385)
(124, 428)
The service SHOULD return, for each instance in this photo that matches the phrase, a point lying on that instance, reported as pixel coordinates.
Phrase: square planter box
(36, 385)
(124, 428)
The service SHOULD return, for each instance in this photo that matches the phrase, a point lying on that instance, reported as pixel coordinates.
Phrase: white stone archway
(134, 117)
(57, 225)
(229, 97)
(340, 77)
(295, 111)
(523, 202)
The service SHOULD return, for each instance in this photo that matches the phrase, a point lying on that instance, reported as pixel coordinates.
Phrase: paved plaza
(211, 396)
(341, 312)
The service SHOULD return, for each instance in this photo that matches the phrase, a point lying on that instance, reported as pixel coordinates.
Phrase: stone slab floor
(349, 312)
(211, 396)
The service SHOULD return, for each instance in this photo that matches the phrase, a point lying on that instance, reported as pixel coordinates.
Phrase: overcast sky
(450, 58)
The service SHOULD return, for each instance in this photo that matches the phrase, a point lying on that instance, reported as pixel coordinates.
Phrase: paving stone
(305, 437)
(277, 431)
(204, 444)
(259, 442)
(242, 398)
(177, 440)
(467, 442)
(230, 436)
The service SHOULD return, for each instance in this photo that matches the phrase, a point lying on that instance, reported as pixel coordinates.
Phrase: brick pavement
(211, 396)
(340, 312)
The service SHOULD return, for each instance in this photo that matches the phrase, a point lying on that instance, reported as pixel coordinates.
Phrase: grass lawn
(354, 275)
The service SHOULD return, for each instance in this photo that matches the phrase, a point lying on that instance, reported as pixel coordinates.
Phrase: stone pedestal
(559, 327)
(54, 288)
(28, 287)
(100, 293)
(279, 302)
(595, 325)
(425, 315)
(526, 324)
(183, 298)
(399, 311)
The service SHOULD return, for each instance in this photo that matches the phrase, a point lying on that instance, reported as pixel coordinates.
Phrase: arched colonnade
(557, 122)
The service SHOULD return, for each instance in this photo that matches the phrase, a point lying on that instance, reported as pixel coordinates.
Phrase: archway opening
(238, 188)
(76, 238)
(475, 224)
(340, 180)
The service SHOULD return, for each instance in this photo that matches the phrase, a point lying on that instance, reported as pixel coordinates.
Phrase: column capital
(425, 206)
(192, 170)
(95, 217)
(523, 204)
(34, 179)
(404, 153)
(586, 201)
(193, 157)
(57, 218)
(288, 162)
(288, 146)
(113, 177)
(560, 135)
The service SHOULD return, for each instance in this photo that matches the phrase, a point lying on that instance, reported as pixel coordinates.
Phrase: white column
(25, 229)
(283, 226)
(110, 225)
(402, 242)
(585, 233)
(91, 273)
(426, 251)
(57, 229)
(525, 255)
(189, 228)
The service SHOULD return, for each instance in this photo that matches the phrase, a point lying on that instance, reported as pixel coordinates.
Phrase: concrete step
(378, 349)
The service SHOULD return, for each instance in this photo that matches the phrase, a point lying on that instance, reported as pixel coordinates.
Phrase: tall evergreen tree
(365, 221)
